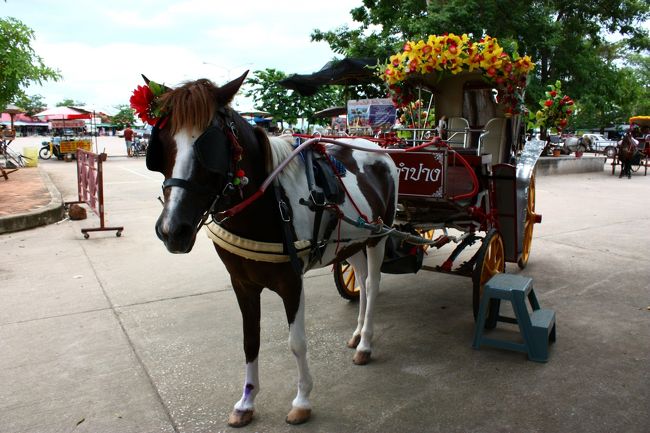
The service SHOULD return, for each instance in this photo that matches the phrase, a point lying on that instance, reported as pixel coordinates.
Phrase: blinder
(212, 150)
(154, 158)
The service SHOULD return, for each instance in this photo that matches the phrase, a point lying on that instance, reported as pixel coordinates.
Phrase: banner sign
(374, 113)
(77, 123)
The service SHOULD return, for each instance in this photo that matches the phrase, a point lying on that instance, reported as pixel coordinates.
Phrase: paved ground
(117, 335)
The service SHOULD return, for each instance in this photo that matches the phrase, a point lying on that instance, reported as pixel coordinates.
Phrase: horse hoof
(354, 341)
(361, 358)
(240, 418)
(298, 415)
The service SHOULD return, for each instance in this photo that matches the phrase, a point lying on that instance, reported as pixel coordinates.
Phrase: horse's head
(627, 147)
(192, 145)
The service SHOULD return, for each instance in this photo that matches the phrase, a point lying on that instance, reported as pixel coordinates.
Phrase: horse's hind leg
(248, 297)
(301, 407)
(360, 265)
(374, 260)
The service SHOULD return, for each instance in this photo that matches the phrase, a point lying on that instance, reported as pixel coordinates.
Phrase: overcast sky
(102, 47)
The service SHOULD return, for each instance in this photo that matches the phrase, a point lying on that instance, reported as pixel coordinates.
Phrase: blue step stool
(537, 329)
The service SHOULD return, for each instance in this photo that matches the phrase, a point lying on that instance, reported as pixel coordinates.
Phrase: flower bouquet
(451, 54)
(145, 102)
(556, 109)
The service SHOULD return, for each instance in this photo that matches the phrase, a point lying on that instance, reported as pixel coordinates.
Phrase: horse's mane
(193, 105)
(281, 148)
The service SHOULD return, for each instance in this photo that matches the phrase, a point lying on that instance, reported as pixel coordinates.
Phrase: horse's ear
(147, 80)
(227, 92)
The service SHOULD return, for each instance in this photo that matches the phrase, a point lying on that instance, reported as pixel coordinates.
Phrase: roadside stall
(68, 133)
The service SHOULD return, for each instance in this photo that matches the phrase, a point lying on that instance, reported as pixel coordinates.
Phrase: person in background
(128, 139)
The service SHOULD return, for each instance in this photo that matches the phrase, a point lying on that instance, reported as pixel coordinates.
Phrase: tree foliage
(19, 63)
(123, 116)
(568, 39)
(286, 105)
(67, 102)
(31, 104)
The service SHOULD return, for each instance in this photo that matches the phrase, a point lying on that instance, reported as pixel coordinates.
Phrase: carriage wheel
(529, 223)
(345, 281)
(490, 260)
(428, 235)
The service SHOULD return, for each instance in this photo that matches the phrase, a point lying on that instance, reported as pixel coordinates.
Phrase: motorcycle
(49, 148)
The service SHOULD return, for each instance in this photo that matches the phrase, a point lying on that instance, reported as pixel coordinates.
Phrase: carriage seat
(493, 141)
(457, 131)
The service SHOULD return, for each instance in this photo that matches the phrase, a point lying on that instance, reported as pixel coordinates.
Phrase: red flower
(553, 93)
(548, 102)
(141, 102)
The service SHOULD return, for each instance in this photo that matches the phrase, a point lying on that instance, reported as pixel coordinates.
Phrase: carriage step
(537, 329)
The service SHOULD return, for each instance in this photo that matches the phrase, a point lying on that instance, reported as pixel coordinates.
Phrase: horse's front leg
(301, 407)
(248, 297)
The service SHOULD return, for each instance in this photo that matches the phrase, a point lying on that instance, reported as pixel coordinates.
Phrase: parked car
(598, 143)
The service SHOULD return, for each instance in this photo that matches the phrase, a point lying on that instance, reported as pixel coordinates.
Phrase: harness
(218, 150)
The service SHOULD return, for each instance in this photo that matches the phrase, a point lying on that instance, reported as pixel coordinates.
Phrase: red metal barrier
(90, 184)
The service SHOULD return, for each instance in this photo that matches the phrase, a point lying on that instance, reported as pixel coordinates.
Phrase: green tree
(567, 38)
(31, 104)
(270, 96)
(67, 102)
(19, 64)
(123, 116)
(286, 105)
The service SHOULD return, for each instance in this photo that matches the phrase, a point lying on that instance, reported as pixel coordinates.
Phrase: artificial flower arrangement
(145, 102)
(453, 54)
(414, 115)
(556, 109)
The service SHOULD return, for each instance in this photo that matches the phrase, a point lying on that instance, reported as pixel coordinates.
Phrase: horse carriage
(475, 187)
(633, 151)
(276, 207)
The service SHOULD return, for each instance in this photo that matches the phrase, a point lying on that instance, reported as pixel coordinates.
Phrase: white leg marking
(360, 266)
(251, 388)
(298, 345)
(375, 257)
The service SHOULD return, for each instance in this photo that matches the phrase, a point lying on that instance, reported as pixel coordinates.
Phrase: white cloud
(101, 48)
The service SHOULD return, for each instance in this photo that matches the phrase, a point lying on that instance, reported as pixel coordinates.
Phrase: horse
(627, 152)
(215, 165)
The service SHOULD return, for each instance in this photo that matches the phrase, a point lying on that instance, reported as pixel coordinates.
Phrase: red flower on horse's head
(141, 102)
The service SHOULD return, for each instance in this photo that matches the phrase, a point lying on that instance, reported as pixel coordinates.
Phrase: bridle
(218, 151)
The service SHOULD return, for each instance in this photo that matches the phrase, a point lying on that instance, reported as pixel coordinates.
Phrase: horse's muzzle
(178, 237)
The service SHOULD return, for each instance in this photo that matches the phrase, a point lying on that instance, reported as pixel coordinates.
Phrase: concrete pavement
(117, 335)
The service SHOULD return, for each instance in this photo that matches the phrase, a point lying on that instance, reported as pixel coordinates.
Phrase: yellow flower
(456, 53)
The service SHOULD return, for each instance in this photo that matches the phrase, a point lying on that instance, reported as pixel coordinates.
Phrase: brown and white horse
(627, 151)
(213, 160)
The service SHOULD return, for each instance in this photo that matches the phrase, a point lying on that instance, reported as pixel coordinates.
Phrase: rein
(312, 141)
